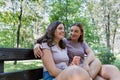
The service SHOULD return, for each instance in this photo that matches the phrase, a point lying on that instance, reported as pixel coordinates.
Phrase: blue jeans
(47, 76)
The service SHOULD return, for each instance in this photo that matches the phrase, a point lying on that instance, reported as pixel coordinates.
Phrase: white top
(60, 56)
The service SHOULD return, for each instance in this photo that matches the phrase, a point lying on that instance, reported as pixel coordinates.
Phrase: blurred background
(23, 21)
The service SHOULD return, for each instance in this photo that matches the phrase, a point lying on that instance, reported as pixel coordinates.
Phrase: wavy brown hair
(81, 38)
(49, 35)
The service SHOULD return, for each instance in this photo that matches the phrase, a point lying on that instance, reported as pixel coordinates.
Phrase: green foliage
(69, 13)
(2, 3)
(65, 11)
(106, 56)
(9, 22)
(117, 63)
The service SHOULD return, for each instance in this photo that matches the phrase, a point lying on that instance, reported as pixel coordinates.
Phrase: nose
(63, 30)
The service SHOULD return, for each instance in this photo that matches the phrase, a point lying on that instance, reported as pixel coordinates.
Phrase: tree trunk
(108, 31)
(19, 26)
(114, 32)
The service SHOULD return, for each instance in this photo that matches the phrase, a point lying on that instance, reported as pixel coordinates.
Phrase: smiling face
(75, 33)
(59, 32)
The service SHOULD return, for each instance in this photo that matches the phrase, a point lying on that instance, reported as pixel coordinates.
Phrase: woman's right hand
(38, 51)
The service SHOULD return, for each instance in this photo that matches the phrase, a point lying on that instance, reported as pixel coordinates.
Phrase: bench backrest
(12, 54)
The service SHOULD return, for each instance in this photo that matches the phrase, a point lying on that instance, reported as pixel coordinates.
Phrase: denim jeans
(47, 76)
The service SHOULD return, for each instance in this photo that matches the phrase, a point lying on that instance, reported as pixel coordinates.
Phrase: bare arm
(49, 63)
(90, 56)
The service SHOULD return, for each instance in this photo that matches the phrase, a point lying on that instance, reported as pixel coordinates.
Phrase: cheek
(56, 34)
(78, 35)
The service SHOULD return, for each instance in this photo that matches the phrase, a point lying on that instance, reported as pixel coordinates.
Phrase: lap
(47, 76)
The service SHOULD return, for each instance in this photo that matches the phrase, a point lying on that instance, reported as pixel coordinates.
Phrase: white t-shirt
(60, 56)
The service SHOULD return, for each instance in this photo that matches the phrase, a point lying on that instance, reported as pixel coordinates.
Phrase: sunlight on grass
(22, 65)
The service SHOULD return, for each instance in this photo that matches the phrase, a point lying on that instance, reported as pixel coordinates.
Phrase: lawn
(22, 65)
(31, 64)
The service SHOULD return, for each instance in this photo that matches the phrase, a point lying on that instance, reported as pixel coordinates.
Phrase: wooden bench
(12, 54)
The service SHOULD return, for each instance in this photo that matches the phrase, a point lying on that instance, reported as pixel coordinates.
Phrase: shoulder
(45, 45)
(84, 44)
(64, 39)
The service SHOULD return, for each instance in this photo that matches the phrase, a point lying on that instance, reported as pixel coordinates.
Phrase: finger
(38, 54)
(40, 50)
(35, 55)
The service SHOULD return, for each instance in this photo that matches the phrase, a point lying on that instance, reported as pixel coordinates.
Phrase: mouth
(73, 36)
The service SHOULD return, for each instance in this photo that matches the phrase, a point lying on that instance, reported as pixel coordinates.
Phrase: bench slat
(12, 54)
(33, 74)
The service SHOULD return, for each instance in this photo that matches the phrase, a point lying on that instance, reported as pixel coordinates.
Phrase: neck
(75, 41)
(56, 41)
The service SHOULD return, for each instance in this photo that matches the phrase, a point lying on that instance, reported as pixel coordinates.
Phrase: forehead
(75, 28)
(60, 25)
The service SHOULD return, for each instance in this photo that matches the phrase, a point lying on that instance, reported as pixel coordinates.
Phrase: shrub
(117, 63)
(106, 56)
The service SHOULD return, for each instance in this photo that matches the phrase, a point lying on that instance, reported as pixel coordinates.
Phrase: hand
(76, 60)
(38, 51)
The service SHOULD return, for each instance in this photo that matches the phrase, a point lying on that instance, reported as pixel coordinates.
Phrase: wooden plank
(16, 54)
(1, 66)
(23, 75)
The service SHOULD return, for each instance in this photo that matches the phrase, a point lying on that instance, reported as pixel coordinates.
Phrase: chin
(73, 39)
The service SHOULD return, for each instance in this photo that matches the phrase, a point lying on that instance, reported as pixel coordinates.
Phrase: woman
(76, 46)
(55, 57)
(90, 64)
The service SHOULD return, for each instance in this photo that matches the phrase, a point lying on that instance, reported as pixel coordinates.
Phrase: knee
(98, 62)
(107, 71)
(110, 67)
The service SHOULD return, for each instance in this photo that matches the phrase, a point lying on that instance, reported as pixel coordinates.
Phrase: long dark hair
(49, 35)
(81, 38)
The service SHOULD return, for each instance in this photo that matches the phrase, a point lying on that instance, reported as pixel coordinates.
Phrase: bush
(117, 63)
(106, 56)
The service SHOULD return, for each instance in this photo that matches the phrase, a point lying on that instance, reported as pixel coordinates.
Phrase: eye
(71, 30)
(60, 28)
(76, 31)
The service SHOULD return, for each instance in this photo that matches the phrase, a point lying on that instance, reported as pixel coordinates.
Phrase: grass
(32, 64)
(22, 65)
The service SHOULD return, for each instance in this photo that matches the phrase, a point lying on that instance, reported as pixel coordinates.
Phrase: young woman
(76, 46)
(55, 58)
(76, 36)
